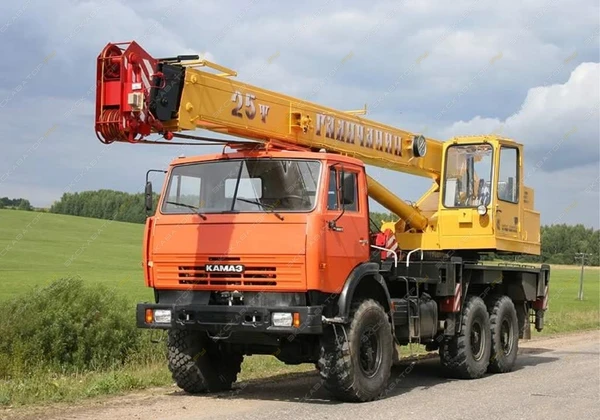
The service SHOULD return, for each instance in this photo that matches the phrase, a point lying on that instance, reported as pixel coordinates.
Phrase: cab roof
(261, 153)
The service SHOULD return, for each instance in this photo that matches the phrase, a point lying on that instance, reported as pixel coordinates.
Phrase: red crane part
(124, 80)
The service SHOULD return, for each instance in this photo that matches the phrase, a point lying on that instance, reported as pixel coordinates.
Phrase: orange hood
(270, 254)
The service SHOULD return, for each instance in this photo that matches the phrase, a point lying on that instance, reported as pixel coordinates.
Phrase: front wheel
(355, 364)
(467, 354)
(197, 364)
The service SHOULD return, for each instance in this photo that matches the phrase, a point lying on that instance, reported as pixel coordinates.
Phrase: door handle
(363, 241)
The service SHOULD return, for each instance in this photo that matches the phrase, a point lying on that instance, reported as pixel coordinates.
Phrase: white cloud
(568, 196)
(559, 122)
(559, 126)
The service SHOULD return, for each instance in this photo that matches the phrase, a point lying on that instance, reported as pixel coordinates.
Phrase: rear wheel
(467, 354)
(505, 335)
(198, 364)
(358, 368)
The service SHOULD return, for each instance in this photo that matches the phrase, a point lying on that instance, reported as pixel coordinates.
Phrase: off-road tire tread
(454, 351)
(334, 363)
(196, 366)
(495, 308)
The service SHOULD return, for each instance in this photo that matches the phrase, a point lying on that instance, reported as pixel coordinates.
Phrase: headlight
(482, 210)
(281, 319)
(162, 316)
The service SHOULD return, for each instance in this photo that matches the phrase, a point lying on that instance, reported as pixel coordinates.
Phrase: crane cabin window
(468, 175)
(508, 176)
(243, 186)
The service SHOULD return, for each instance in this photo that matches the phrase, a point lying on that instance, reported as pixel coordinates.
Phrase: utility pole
(581, 255)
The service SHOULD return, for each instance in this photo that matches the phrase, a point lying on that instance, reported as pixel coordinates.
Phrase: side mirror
(341, 188)
(348, 189)
(148, 196)
(342, 191)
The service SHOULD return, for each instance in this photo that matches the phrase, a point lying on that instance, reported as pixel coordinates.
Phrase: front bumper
(223, 320)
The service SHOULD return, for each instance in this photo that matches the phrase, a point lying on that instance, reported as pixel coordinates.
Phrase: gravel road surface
(555, 378)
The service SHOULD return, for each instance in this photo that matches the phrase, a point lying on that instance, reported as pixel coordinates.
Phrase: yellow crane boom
(179, 97)
(219, 103)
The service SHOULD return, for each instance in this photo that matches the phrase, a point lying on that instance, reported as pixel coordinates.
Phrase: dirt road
(556, 378)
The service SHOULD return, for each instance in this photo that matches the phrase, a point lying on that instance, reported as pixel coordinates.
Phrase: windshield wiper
(262, 205)
(189, 206)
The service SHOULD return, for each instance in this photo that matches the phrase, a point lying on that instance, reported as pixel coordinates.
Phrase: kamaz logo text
(224, 268)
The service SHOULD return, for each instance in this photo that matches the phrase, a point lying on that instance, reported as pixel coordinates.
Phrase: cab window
(468, 175)
(332, 191)
(508, 175)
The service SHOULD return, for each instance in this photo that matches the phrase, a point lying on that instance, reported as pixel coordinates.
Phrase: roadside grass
(38, 248)
(44, 387)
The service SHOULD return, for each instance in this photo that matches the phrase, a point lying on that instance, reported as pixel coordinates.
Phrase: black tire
(505, 334)
(197, 364)
(358, 369)
(467, 354)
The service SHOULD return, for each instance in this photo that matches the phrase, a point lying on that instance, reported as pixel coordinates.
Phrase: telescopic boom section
(139, 95)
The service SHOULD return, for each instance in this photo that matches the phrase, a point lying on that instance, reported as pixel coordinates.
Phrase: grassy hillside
(36, 248)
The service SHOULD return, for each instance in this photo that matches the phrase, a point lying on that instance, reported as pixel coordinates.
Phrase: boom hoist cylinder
(387, 199)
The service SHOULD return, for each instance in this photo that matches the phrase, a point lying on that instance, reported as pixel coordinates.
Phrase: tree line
(15, 203)
(560, 243)
(103, 204)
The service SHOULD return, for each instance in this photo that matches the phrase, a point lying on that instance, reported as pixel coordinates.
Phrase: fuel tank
(419, 315)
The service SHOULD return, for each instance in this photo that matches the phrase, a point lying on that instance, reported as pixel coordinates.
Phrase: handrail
(388, 250)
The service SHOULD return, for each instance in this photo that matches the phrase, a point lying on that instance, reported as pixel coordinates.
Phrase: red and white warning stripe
(457, 298)
(147, 73)
(545, 301)
(391, 242)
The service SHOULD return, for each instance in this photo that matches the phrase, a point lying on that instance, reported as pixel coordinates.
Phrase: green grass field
(37, 248)
(565, 311)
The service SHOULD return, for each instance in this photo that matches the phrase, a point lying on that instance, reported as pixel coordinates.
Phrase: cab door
(508, 214)
(347, 229)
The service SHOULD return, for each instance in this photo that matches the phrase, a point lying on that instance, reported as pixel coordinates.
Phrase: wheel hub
(477, 342)
(370, 352)
(506, 337)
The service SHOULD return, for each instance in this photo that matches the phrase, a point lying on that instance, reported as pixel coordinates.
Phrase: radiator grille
(259, 272)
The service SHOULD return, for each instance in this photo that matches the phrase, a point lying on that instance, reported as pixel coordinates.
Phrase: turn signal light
(296, 322)
(149, 316)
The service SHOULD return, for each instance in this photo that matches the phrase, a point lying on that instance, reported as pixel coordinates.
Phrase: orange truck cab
(282, 229)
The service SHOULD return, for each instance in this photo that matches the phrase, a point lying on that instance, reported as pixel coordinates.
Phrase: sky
(526, 69)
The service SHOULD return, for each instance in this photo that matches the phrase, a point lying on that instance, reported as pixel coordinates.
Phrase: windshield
(468, 175)
(252, 185)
